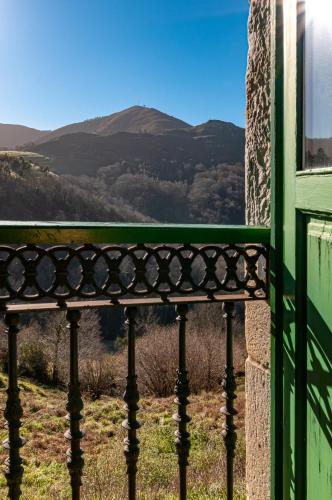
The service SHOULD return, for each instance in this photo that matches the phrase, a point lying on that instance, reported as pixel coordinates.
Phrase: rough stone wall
(258, 115)
(258, 213)
(258, 402)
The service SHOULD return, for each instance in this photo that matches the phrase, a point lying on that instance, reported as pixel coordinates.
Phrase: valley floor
(46, 475)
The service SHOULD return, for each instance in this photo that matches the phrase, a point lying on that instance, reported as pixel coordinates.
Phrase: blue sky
(67, 60)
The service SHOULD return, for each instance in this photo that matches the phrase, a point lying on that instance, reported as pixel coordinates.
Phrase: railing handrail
(41, 307)
(16, 232)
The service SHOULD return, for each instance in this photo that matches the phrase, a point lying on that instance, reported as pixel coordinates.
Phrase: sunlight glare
(319, 11)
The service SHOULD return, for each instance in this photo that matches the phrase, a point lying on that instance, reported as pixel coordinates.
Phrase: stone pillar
(258, 213)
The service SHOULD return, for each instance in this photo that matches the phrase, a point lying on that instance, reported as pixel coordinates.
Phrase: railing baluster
(131, 398)
(13, 414)
(229, 386)
(75, 461)
(182, 392)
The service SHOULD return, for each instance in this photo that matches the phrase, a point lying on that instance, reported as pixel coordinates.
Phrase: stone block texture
(257, 435)
(257, 164)
(258, 319)
(258, 114)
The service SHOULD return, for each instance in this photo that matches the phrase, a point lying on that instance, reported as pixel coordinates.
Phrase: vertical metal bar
(131, 398)
(13, 414)
(182, 392)
(75, 461)
(229, 386)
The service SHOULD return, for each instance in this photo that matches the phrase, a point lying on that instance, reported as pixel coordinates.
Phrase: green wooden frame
(287, 279)
(276, 252)
(297, 194)
(312, 198)
(97, 233)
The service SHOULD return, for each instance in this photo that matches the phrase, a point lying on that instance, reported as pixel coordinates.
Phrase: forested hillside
(31, 192)
(118, 193)
(172, 155)
(135, 165)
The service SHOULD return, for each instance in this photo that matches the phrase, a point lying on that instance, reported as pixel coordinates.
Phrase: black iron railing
(37, 278)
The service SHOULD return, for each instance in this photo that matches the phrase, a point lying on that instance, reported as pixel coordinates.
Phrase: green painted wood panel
(319, 360)
(302, 254)
(313, 191)
(290, 131)
(74, 232)
(276, 254)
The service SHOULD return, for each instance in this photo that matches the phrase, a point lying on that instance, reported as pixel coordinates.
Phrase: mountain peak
(215, 127)
(135, 119)
(139, 119)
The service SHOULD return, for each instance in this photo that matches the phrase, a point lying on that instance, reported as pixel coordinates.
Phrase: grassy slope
(20, 154)
(46, 475)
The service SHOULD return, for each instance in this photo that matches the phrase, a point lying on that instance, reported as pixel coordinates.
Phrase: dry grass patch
(46, 476)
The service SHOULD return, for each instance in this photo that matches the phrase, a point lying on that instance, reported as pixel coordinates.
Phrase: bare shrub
(55, 336)
(157, 353)
(206, 320)
(43, 353)
(33, 359)
(157, 361)
(97, 376)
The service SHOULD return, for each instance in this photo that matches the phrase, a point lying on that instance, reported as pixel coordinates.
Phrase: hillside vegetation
(121, 192)
(43, 355)
(46, 476)
(166, 153)
(135, 165)
(31, 192)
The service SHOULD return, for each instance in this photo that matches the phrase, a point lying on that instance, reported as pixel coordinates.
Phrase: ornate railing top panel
(51, 233)
(59, 273)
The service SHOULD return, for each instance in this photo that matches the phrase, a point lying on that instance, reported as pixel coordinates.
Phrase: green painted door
(301, 273)
(319, 359)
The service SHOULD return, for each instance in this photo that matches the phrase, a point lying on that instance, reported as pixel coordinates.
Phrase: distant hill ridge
(138, 164)
(82, 153)
(12, 136)
(136, 119)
